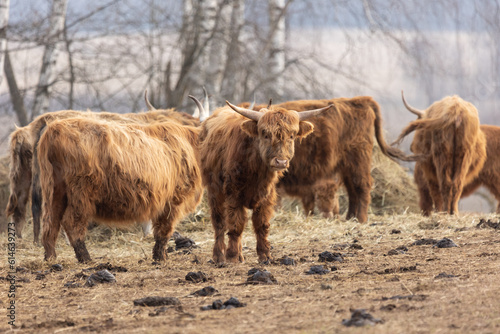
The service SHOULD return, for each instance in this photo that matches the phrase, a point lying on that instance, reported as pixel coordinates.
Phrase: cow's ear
(305, 128)
(250, 127)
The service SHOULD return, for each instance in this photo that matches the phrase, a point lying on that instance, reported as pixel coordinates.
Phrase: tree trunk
(4, 20)
(15, 96)
(277, 49)
(217, 49)
(56, 28)
(232, 78)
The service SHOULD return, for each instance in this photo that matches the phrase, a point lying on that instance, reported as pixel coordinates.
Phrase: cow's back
(125, 173)
(336, 133)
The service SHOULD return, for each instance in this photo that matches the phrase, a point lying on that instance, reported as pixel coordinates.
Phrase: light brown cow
(340, 147)
(22, 170)
(489, 176)
(116, 173)
(453, 146)
(243, 154)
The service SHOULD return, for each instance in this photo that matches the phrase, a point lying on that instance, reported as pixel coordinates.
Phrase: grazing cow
(243, 154)
(338, 151)
(116, 173)
(453, 150)
(489, 176)
(23, 171)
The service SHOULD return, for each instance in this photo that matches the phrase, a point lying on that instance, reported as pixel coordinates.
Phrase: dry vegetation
(298, 303)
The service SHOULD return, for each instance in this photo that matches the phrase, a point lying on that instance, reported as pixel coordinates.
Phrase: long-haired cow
(453, 150)
(21, 151)
(116, 173)
(489, 176)
(338, 151)
(243, 154)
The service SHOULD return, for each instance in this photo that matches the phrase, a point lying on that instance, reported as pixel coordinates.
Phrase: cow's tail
(20, 168)
(389, 151)
(419, 124)
(36, 190)
(46, 177)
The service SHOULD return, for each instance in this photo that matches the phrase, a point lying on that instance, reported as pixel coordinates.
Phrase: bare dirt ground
(410, 288)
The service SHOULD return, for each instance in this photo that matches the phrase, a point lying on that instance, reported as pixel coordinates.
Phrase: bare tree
(277, 49)
(4, 20)
(54, 35)
(232, 77)
(15, 95)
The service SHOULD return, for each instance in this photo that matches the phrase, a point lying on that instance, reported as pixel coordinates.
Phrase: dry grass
(299, 303)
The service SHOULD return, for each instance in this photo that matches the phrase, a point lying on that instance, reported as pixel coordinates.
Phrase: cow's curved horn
(196, 112)
(205, 112)
(253, 102)
(415, 111)
(270, 103)
(310, 113)
(248, 113)
(148, 104)
(198, 104)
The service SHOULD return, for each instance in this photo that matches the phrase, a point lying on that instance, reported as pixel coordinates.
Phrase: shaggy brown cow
(242, 157)
(454, 150)
(340, 147)
(116, 173)
(489, 176)
(21, 151)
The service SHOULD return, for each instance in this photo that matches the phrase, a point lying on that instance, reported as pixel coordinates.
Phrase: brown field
(403, 289)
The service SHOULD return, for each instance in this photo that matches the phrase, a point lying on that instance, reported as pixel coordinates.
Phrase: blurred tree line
(103, 55)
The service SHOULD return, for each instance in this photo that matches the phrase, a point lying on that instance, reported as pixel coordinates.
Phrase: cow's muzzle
(279, 164)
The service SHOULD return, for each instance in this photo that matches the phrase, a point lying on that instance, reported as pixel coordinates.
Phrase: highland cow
(116, 173)
(339, 151)
(489, 176)
(453, 149)
(23, 171)
(243, 155)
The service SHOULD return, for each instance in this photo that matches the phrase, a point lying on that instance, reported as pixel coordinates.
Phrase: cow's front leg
(260, 219)
(236, 219)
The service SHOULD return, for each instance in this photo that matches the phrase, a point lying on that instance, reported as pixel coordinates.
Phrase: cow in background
(340, 147)
(115, 173)
(489, 176)
(453, 150)
(243, 154)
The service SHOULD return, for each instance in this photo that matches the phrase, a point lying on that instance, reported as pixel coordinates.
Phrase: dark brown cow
(21, 151)
(489, 176)
(115, 173)
(454, 149)
(242, 157)
(340, 147)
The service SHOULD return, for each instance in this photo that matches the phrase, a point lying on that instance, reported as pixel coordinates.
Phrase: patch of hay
(394, 191)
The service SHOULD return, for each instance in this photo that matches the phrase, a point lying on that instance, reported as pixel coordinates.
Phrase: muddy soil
(390, 282)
